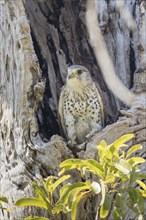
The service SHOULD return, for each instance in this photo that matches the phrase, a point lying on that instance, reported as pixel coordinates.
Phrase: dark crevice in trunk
(42, 61)
(48, 124)
(132, 60)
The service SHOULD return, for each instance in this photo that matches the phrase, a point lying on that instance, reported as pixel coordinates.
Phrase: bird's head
(78, 72)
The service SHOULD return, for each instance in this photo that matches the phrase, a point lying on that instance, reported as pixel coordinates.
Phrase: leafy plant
(44, 197)
(116, 178)
(117, 174)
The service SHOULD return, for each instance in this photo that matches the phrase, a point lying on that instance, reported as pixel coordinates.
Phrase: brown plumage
(80, 105)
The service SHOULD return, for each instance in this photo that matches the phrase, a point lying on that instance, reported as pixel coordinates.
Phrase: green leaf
(49, 185)
(142, 176)
(95, 164)
(117, 156)
(133, 196)
(74, 208)
(141, 202)
(67, 189)
(72, 196)
(110, 178)
(60, 207)
(103, 192)
(123, 166)
(133, 149)
(79, 197)
(70, 162)
(66, 168)
(94, 167)
(121, 203)
(122, 177)
(135, 160)
(63, 192)
(133, 176)
(111, 151)
(120, 142)
(103, 144)
(59, 181)
(91, 165)
(105, 208)
(6, 209)
(143, 193)
(4, 199)
(102, 147)
(117, 214)
(50, 179)
(34, 202)
(141, 184)
(36, 218)
(39, 191)
(136, 202)
(78, 190)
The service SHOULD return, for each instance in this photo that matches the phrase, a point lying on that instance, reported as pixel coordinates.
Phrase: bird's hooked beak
(72, 74)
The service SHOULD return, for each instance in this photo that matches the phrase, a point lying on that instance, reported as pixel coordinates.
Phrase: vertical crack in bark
(132, 60)
(55, 62)
(41, 59)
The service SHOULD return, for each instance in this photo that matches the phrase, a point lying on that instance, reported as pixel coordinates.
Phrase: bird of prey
(80, 105)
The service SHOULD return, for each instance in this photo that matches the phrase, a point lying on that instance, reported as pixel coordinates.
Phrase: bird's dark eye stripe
(79, 71)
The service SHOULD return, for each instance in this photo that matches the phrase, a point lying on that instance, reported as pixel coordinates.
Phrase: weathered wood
(39, 39)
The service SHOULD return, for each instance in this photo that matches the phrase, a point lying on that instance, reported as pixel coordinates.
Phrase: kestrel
(80, 105)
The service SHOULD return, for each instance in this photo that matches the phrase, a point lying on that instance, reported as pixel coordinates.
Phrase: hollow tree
(39, 40)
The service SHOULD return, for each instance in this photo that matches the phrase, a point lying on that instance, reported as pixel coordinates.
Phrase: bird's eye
(79, 72)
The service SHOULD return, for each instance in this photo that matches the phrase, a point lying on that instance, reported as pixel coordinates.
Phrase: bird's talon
(75, 147)
(88, 136)
(82, 146)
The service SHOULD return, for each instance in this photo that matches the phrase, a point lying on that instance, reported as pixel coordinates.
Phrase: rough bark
(40, 38)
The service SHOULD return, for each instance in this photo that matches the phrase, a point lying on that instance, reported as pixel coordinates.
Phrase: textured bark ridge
(39, 40)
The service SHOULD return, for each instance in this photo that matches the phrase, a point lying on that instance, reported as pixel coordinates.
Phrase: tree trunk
(39, 40)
